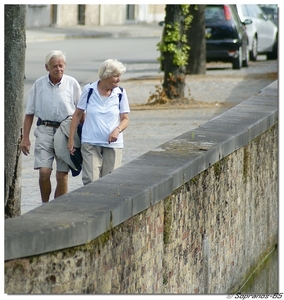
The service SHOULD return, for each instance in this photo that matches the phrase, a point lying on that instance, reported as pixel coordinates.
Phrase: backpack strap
(91, 91)
(120, 95)
(89, 94)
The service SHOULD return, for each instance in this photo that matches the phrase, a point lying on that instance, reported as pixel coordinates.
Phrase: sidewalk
(82, 31)
(211, 94)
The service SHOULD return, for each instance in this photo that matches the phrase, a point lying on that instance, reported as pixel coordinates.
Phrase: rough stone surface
(205, 237)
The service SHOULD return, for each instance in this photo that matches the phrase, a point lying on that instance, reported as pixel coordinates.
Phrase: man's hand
(25, 146)
(70, 146)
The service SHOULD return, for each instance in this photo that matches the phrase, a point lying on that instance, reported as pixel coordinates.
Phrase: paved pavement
(82, 31)
(210, 95)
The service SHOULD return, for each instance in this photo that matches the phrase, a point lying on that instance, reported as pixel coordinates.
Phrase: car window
(271, 11)
(214, 13)
(243, 11)
(251, 12)
(258, 11)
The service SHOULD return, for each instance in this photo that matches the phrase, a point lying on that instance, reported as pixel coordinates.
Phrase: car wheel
(253, 52)
(274, 53)
(246, 60)
(237, 61)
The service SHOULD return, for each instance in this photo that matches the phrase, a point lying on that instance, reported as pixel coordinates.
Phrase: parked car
(271, 10)
(226, 36)
(262, 32)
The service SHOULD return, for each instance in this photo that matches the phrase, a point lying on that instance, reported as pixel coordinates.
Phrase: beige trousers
(98, 161)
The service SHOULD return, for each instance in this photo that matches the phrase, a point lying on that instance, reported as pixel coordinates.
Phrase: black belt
(47, 123)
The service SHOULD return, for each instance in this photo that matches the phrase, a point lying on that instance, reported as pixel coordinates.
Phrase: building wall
(67, 15)
(37, 15)
(195, 217)
(156, 13)
(92, 16)
(95, 14)
(112, 14)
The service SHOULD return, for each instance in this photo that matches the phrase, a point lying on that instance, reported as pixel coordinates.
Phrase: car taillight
(233, 53)
(227, 13)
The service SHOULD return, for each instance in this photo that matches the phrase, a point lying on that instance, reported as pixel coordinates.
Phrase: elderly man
(52, 99)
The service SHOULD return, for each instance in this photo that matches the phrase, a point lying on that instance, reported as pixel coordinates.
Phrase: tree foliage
(15, 47)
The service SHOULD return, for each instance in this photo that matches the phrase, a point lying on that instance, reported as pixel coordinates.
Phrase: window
(53, 14)
(81, 14)
(251, 11)
(130, 13)
(214, 13)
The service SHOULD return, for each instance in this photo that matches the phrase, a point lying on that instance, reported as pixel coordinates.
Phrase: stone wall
(194, 216)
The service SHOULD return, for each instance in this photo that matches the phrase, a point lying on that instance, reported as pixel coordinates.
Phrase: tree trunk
(15, 49)
(196, 41)
(174, 75)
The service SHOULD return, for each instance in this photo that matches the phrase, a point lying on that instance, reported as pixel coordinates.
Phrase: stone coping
(84, 214)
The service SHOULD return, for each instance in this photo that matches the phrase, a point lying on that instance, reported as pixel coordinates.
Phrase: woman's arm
(124, 121)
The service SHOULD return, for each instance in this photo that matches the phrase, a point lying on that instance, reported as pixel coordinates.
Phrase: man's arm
(26, 144)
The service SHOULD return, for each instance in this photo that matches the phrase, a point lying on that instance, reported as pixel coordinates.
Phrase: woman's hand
(114, 135)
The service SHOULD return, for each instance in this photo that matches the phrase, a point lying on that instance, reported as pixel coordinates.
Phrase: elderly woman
(106, 107)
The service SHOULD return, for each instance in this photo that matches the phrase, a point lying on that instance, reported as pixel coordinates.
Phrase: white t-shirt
(53, 102)
(102, 115)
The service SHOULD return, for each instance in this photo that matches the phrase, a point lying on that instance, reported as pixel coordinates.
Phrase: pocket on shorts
(36, 132)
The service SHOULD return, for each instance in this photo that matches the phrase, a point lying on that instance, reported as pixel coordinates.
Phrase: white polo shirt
(53, 102)
(102, 116)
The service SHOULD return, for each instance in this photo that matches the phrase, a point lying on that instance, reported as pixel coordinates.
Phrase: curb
(57, 33)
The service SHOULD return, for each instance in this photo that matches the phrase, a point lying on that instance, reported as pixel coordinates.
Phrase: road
(85, 55)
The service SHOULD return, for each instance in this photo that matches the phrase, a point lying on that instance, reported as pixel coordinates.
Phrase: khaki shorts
(98, 161)
(44, 150)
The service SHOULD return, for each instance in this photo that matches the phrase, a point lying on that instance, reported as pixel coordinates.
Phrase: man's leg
(44, 183)
(44, 157)
(62, 184)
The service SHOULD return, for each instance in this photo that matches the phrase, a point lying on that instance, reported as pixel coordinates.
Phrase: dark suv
(226, 37)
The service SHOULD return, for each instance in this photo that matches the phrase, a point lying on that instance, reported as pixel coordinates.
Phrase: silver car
(262, 32)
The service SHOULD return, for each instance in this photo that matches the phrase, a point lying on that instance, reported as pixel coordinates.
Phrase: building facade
(93, 14)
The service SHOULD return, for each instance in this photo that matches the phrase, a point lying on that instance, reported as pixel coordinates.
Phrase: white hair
(56, 54)
(111, 67)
